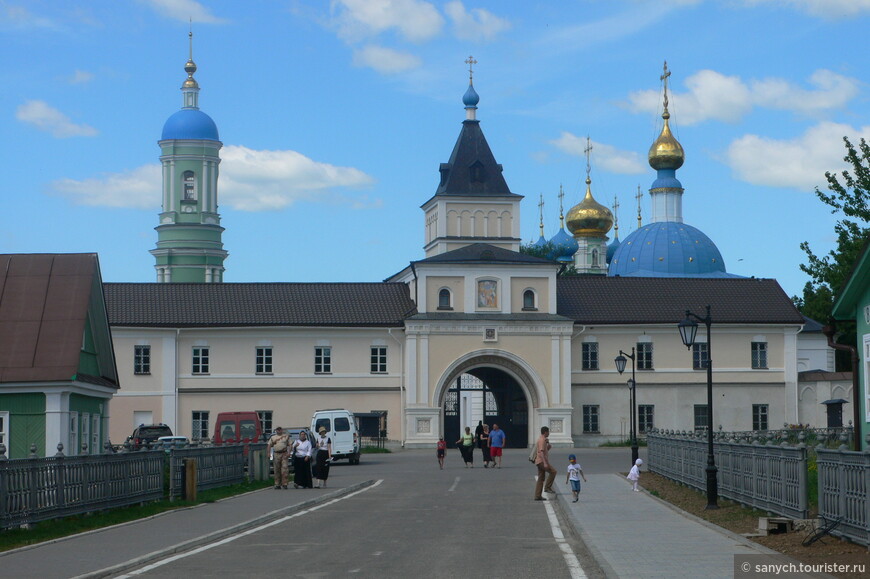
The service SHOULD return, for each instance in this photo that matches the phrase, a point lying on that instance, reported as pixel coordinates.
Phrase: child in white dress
(634, 474)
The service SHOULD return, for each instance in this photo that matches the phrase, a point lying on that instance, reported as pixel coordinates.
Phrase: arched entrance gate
(488, 389)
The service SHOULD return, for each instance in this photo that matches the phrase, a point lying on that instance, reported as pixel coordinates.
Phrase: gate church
(475, 330)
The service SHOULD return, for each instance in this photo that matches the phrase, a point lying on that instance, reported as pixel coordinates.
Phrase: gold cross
(470, 62)
(664, 79)
(588, 150)
(639, 196)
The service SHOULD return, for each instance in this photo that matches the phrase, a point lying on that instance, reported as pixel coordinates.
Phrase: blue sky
(336, 115)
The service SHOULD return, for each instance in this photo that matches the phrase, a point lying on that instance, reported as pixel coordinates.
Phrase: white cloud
(479, 24)
(799, 163)
(605, 157)
(20, 18)
(250, 180)
(138, 189)
(184, 10)
(825, 8)
(414, 20)
(385, 60)
(715, 96)
(81, 77)
(49, 119)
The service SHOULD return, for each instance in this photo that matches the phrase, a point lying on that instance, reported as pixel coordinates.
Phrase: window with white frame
(590, 355)
(759, 417)
(141, 359)
(759, 355)
(645, 417)
(199, 425)
(95, 434)
(265, 420)
(379, 360)
(700, 356)
(445, 301)
(323, 360)
(4, 432)
(86, 432)
(189, 186)
(644, 356)
(200, 360)
(73, 441)
(590, 418)
(263, 361)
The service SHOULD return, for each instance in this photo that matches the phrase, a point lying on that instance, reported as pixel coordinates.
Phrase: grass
(374, 450)
(621, 443)
(57, 528)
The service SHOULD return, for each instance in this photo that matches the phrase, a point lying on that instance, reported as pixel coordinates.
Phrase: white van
(342, 428)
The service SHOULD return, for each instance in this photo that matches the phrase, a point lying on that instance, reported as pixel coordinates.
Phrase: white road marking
(571, 560)
(453, 487)
(243, 534)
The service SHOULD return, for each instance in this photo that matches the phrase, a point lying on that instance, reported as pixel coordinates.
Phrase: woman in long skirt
(466, 447)
(324, 455)
(302, 462)
(483, 441)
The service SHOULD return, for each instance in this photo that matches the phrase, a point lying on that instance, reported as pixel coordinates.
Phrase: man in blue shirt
(496, 443)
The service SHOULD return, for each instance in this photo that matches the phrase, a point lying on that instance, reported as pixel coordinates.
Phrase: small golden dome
(589, 218)
(666, 152)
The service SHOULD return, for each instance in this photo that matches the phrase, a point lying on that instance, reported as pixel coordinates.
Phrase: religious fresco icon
(487, 294)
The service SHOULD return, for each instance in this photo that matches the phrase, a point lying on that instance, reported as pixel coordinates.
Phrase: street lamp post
(632, 384)
(688, 329)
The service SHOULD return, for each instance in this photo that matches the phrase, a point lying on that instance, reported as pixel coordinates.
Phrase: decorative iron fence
(844, 484)
(768, 477)
(38, 489)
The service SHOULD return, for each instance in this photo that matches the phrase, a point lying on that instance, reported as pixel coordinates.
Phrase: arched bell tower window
(444, 299)
(594, 258)
(529, 300)
(189, 186)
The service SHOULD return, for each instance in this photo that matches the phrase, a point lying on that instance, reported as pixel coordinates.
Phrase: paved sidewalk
(113, 550)
(633, 534)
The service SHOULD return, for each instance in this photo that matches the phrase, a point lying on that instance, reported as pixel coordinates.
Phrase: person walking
(483, 443)
(497, 439)
(466, 447)
(634, 474)
(322, 458)
(441, 451)
(278, 444)
(574, 474)
(542, 461)
(301, 451)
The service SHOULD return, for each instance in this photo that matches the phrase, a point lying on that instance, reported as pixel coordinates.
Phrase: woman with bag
(466, 447)
(324, 455)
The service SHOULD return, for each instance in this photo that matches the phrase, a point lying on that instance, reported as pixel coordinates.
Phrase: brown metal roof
(647, 300)
(44, 300)
(179, 305)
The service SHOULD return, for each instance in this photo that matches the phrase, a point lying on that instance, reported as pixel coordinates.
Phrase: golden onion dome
(666, 152)
(589, 218)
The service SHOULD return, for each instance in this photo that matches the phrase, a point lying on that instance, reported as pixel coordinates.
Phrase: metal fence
(39, 489)
(216, 466)
(765, 476)
(844, 484)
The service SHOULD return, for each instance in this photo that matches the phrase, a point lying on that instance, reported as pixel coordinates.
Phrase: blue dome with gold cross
(667, 249)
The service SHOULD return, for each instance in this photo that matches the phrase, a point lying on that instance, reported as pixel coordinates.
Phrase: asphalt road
(416, 520)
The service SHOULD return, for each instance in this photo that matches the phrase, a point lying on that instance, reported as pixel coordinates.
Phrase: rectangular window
(95, 434)
(86, 433)
(700, 417)
(645, 417)
(379, 360)
(141, 359)
(265, 420)
(73, 434)
(200, 360)
(263, 364)
(700, 356)
(759, 417)
(759, 355)
(199, 426)
(590, 355)
(590, 418)
(644, 356)
(323, 360)
(4, 435)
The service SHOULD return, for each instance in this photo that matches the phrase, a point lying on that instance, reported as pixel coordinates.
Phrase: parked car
(235, 427)
(342, 429)
(145, 434)
(170, 442)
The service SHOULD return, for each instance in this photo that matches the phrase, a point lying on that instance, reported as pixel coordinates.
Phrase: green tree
(850, 197)
(546, 251)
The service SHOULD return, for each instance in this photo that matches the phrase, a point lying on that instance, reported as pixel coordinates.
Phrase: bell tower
(189, 246)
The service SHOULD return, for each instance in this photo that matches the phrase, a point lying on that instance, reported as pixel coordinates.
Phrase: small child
(574, 474)
(634, 474)
(442, 450)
